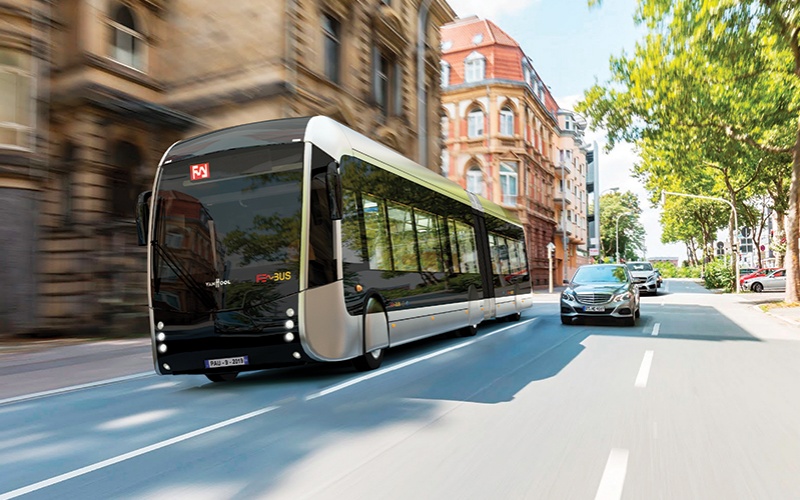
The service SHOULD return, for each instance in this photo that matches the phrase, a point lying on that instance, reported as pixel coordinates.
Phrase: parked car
(744, 271)
(774, 281)
(756, 273)
(644, 275)
(601, 290)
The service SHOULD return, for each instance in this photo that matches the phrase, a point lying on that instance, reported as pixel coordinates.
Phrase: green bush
(690, 272)
(719, 275)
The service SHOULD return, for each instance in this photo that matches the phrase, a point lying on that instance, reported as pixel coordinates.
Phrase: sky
(570, 45)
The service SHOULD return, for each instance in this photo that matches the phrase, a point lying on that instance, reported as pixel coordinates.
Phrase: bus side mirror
(333, 184)
(143, 216)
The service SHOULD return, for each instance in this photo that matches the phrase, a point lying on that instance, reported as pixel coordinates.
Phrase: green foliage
(621, 209)
(719, 275)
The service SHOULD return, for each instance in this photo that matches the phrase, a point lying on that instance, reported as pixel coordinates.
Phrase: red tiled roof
(463, 32)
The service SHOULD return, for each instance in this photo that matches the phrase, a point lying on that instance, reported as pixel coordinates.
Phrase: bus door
(485, 265)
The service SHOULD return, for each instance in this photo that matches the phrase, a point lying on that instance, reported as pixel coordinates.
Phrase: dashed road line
(73, 388)
(613, 479)
(644, 370)
(656, 328)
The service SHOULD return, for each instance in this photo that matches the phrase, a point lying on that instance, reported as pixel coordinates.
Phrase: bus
(299, 240)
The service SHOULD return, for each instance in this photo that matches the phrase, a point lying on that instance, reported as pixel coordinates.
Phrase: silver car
(601, 290)
(774, 281)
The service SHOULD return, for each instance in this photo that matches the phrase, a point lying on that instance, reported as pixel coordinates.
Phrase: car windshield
(600, 274)
(639, 266)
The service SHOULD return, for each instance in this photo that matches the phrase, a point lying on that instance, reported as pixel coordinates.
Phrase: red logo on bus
(199, 171)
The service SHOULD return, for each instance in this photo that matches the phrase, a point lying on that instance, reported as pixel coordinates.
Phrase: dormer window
(445, 74)
(127, 41)
(474, 67)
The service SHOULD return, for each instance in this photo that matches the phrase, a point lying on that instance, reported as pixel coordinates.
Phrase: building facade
(572, 200)
(502, 137)
(95, 91)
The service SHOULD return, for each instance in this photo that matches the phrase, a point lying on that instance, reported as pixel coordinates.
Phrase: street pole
(550, 248)
(734, 248)
(617, 237)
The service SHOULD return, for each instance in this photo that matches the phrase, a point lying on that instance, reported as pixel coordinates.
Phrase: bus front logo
(199, 171)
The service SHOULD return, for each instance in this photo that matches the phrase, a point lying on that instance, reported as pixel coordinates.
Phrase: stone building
(93, 92)
(501, 133)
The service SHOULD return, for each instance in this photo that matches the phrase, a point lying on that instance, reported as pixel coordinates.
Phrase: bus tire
(222, 377)
(467, 331)
(369, 360)
(514, 317)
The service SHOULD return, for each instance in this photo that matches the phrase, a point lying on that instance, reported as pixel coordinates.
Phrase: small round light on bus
(160, 325)
(289, 324)
(290, 312)
(162, 348)
(359, 288)
(288, 337)
(161, 337)
(296, 355)
(166, 367)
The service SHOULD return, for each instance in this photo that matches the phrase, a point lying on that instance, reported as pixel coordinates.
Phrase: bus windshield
(227, 232)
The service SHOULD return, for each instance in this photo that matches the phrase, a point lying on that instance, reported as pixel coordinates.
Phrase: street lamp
(734, 248)
(618, 217)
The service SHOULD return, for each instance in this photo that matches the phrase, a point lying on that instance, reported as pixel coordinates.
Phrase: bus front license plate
(593, 309)
(224, 362)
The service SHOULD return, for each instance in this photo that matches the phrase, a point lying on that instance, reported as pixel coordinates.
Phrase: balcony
(564, 167)
(562, 197)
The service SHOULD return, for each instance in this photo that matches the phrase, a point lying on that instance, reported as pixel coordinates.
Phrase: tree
(613, 207)
(723, 78)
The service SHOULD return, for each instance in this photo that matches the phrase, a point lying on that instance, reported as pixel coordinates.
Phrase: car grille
(640, 280)
(594, 298)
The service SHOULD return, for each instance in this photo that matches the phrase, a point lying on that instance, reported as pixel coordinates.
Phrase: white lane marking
(133, 454)
(358, 380)
(656, 328)
(613, 476)
(72, 388)
(644, 370)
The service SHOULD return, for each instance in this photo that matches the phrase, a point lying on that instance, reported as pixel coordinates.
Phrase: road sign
(550, 247)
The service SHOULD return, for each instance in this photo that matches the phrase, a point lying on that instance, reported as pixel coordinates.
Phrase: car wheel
(638, 313)
(757, 287)
(222, 377)
(566, 320)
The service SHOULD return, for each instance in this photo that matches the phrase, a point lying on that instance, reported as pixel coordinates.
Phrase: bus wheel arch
(375, 331)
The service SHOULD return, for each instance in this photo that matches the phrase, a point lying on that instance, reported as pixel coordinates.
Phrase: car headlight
(652, 277)
(622, 296)
(568, 295)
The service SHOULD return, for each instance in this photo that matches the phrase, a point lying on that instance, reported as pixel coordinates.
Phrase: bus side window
(321, 263)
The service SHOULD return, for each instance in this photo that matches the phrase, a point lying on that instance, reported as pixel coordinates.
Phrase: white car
(644, 276)
(774, 281)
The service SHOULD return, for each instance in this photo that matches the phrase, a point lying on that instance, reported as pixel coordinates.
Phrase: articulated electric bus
(299, 240)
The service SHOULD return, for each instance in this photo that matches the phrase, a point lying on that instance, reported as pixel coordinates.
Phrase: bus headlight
(161, 337)
(289, 324)
(288, 337)
(290, 312)
(162, 348)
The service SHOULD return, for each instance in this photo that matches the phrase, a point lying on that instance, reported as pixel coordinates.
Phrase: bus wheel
(514, 317)
(369, 360)
(222, 377)
(468, 331)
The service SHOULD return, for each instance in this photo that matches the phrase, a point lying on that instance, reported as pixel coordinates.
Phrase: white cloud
(491, 10)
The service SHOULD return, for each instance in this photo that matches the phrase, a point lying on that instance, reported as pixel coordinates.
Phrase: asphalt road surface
(700, 400)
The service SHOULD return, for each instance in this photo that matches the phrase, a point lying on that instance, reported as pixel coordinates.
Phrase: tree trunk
(792, 263)
(780, 233)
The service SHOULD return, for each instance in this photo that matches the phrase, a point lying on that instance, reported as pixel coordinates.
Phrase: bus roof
(288, 130)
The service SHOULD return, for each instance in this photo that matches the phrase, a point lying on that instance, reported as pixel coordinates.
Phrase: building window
(445, 74)
(127, 42)
(508, 182)
(567, 123)
(506, 122)
(445, 163)
(474, 67)
(330, 28)
(475, 123)
(387, 83)
(16, 105)
(475, 180)
(444, 123)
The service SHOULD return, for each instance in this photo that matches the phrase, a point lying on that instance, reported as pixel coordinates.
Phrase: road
(700, 400)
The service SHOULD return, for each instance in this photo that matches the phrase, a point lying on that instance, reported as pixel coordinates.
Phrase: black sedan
(601, 290)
